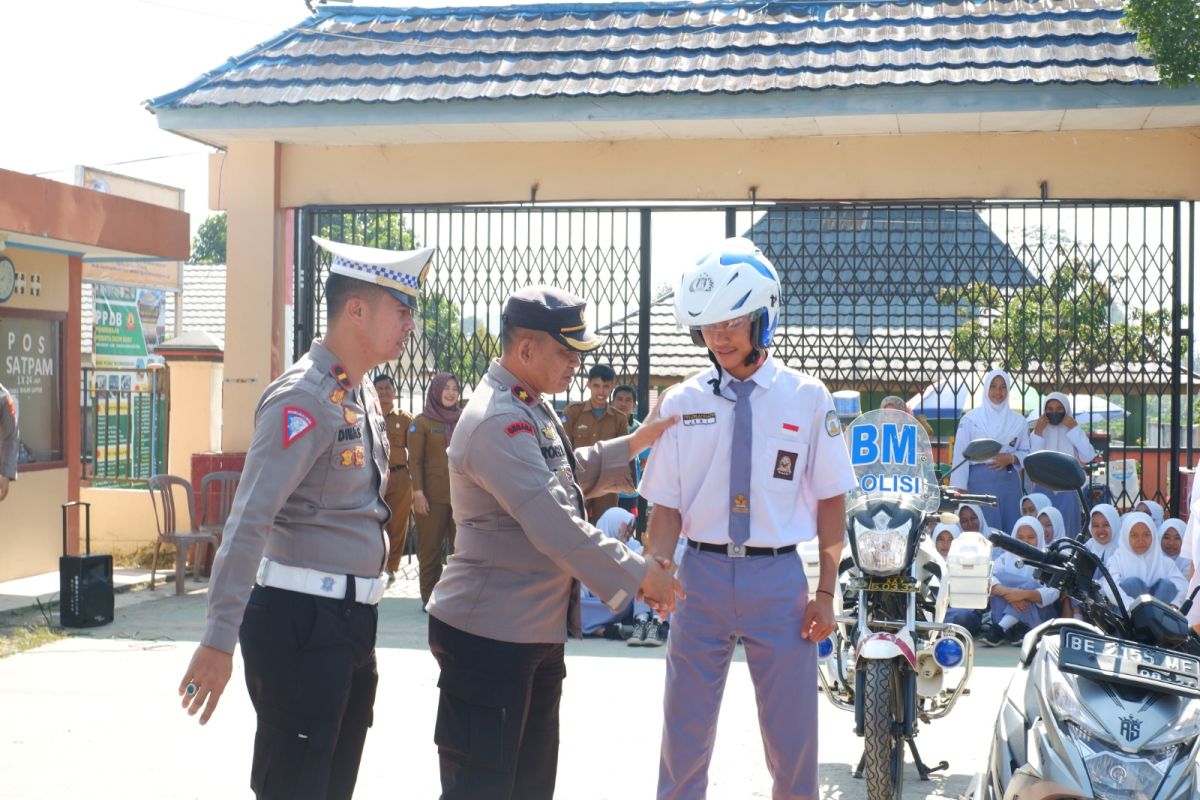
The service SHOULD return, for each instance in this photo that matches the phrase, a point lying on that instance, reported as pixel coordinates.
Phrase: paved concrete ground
(97, 715)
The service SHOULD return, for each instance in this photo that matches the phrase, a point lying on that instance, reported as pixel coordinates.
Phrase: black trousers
(497, 721)
(310, 671)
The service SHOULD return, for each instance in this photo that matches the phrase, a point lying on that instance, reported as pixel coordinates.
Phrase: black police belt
(736, 551)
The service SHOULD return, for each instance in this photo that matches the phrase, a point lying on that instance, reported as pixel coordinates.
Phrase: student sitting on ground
(1155, 510)
(1140, 567)
(1031, 504)
(1171, 537)
(1052, 523)
(598, 618)
(1105, 522)
(1018, 601)
(969, 618)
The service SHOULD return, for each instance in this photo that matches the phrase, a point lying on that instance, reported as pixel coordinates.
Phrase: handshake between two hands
(660, 588)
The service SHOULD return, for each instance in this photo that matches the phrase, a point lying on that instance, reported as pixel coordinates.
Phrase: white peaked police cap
(399, 271)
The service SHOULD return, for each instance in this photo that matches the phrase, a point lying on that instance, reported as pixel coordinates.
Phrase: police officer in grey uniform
(500, 615)
(298, 578)
(10, 440)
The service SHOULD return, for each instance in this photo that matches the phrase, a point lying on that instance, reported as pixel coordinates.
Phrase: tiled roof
(413, 55)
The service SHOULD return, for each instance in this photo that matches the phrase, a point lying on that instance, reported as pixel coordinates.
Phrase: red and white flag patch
(787, 426)
(296, 423)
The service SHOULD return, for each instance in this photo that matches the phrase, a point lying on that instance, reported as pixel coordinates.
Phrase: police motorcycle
(891, 651)
(1108, 708)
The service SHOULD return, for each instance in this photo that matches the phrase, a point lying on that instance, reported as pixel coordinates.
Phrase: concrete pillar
(195, 366)
(249, 192)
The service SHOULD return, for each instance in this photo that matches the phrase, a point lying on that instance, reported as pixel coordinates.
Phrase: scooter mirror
(980, 450)
(1055, 471)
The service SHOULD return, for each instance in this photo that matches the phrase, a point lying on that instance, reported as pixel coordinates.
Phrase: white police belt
(321, 584)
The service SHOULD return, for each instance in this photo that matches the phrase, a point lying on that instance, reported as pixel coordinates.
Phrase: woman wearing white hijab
(1155, 511)
(1031, 504)
(1018, 599)
(1140, 567)
(1052, 519)
(597, 617)
(994, 420)
(1103, 529)
(1170, 536)
(1056, 429)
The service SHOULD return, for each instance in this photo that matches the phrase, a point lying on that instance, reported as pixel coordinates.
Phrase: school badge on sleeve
(296, 423)
(833, 426)
(785, 465)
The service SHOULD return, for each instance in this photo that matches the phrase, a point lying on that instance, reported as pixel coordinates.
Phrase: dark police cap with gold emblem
(558, 313)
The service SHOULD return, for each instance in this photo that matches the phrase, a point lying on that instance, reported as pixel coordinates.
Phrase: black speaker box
(85, 583)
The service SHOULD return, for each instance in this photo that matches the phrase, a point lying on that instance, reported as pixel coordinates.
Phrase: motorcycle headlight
(1186, 728)
(1067, 707)
(1119, 776)
(882, 552)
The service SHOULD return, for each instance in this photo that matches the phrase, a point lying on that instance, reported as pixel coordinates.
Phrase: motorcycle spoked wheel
(883, 707)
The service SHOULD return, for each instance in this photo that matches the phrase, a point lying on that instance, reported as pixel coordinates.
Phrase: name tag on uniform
(700, 419)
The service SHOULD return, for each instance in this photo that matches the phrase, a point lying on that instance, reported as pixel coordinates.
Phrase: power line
(123, 163)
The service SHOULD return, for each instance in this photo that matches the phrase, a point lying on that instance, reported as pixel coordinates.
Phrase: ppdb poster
(128, 411)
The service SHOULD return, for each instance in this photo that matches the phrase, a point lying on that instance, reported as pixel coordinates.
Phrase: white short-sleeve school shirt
(798, 456)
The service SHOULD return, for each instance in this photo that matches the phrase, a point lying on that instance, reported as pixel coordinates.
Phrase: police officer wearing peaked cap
(298, 578)
(500, 615)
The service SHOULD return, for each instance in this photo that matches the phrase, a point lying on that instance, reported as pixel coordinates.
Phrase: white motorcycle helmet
(734, 280)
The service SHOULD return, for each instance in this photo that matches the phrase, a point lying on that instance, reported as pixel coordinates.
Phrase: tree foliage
(208, 246)
(1169, 30)
(1064, 326)
(450, 348)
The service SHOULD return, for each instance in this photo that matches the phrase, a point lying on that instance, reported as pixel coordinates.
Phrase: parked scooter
(1103, 709)
(888, 658)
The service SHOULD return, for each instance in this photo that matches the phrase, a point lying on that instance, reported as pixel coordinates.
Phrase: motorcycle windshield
(893, 461)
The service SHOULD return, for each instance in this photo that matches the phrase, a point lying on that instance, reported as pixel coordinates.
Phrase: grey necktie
(739, 467)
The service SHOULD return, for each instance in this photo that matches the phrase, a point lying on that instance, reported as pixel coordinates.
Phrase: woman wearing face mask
(1140, 567)
(1018, 601)
(1056, 429)
(428, 437)
(999, 476)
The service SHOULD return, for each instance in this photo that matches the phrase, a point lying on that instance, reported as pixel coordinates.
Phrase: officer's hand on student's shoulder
(649, 431)
(205, 681)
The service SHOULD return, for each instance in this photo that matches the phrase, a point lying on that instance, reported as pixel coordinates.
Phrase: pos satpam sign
(888, 445)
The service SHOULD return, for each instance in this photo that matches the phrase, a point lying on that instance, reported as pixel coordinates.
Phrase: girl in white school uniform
(1018, 601)
(1056, 429)
(1103, 529)
(1140, 567)
(1155, 510)
(1171, 538)
(1052, 523)
(999, 476)
(1031, 504)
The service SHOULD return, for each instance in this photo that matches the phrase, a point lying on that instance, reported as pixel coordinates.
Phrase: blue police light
(825, 648)
(948, 653)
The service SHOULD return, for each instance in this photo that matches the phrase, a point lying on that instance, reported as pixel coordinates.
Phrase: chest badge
(350, 415)
(337, 396)
(549, 432)
(785, 465)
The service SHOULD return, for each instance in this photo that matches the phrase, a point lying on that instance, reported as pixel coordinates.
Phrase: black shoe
(1016, 634)
(614, 631)
(992, 635)
(641, 627)
(656, 633)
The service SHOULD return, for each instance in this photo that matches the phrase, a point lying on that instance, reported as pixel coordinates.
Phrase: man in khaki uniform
(596, 420)
(10, 440)
(499, 617)
(399, 496)
(297, 578)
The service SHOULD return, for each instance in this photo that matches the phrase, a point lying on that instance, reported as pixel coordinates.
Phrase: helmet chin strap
(755, 358)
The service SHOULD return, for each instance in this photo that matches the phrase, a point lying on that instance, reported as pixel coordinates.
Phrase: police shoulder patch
(833, 426)
(296, 423)
(523, 394)
(340, 375)
(521, 426)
